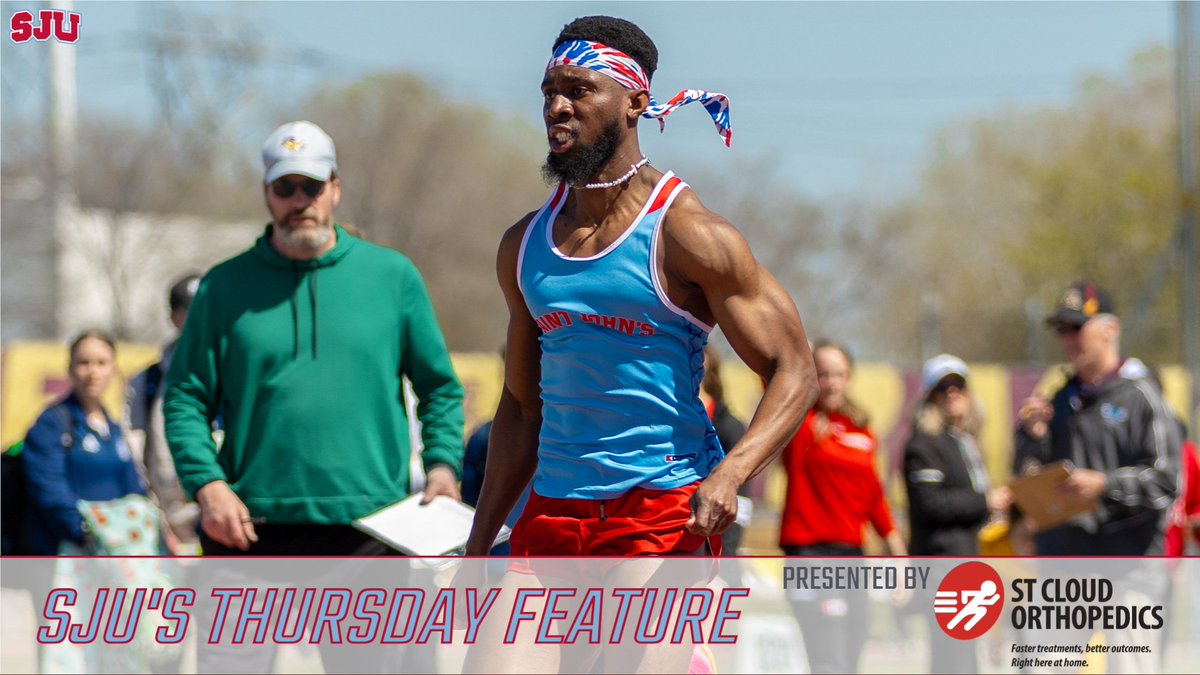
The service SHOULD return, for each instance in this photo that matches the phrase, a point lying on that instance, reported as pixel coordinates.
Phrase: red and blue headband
(622, 68)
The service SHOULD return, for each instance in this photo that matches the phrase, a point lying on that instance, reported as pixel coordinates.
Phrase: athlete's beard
(581, 163)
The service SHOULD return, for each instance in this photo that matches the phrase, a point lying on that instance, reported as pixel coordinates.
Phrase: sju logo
(62, 26)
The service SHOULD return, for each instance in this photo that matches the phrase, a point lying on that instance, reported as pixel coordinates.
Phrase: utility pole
(1187, 93)
(62, 120)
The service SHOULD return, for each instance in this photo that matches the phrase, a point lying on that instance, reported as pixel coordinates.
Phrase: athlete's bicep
(753, 310)
(522, 363)
(760, 321)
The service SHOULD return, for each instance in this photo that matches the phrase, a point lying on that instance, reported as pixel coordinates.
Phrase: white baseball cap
(939, 367)
(299, 148)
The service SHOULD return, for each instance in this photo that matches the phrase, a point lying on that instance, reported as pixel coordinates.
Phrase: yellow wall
(32, 375)
(482, 375)
(31, 371)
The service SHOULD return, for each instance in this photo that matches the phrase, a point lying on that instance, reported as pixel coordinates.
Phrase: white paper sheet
(438, 528)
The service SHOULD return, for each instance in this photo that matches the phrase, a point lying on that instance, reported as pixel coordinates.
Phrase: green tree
(1017, 205)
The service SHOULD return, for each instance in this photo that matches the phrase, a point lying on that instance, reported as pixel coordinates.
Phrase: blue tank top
(621, 364)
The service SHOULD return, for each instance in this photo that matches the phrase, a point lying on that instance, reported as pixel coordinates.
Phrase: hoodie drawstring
(295, 314)
(312, 295)
(312, 299)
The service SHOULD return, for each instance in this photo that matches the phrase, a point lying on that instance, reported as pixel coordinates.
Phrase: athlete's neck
(593, 207)
(594, 204)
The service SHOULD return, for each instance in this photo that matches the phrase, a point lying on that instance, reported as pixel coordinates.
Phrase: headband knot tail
(629, 74)
(715, 103)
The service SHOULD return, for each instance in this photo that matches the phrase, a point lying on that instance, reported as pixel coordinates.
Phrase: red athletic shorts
(639, 522)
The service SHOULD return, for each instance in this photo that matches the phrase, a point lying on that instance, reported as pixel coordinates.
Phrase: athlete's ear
(639, 100)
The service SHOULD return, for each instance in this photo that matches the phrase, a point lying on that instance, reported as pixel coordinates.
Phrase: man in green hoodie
(300, 345)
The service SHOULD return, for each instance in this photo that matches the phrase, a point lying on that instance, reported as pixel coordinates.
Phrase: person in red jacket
(1184, 522)
(832, 492)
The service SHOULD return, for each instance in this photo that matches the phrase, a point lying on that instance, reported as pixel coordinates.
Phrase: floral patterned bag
(125, 526)
(122, 538)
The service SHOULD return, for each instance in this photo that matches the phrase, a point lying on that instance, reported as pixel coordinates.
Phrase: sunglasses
(1067, 329)
(950, 382)
(284, 189)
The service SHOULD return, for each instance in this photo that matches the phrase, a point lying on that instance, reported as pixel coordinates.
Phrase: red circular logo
(969, 601)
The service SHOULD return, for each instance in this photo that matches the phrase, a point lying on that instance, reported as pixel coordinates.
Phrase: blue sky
(841, 97)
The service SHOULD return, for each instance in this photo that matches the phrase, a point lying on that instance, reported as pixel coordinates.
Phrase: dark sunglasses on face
(950, 382)
(284, 189)
(1067, 329)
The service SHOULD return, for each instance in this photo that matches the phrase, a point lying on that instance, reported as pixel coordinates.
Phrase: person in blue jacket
(76, 451)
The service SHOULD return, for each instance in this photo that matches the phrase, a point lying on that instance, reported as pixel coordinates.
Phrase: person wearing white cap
(301, 345)
(949, 495)
(291, 314)
(300, 164)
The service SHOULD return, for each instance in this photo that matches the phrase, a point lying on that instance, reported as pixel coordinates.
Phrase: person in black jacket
(949, 495)
(1110, 422)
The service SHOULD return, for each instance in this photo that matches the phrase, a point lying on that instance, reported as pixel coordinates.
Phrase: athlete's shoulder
(518, 228)
(688, 216)
(694, 235)
(510, 242)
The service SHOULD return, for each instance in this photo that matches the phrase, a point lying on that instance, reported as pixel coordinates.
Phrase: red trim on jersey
(560, 193)
(663, 194)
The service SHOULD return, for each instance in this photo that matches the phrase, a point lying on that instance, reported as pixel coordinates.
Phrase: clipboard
(1036, 495)
(437, 529)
